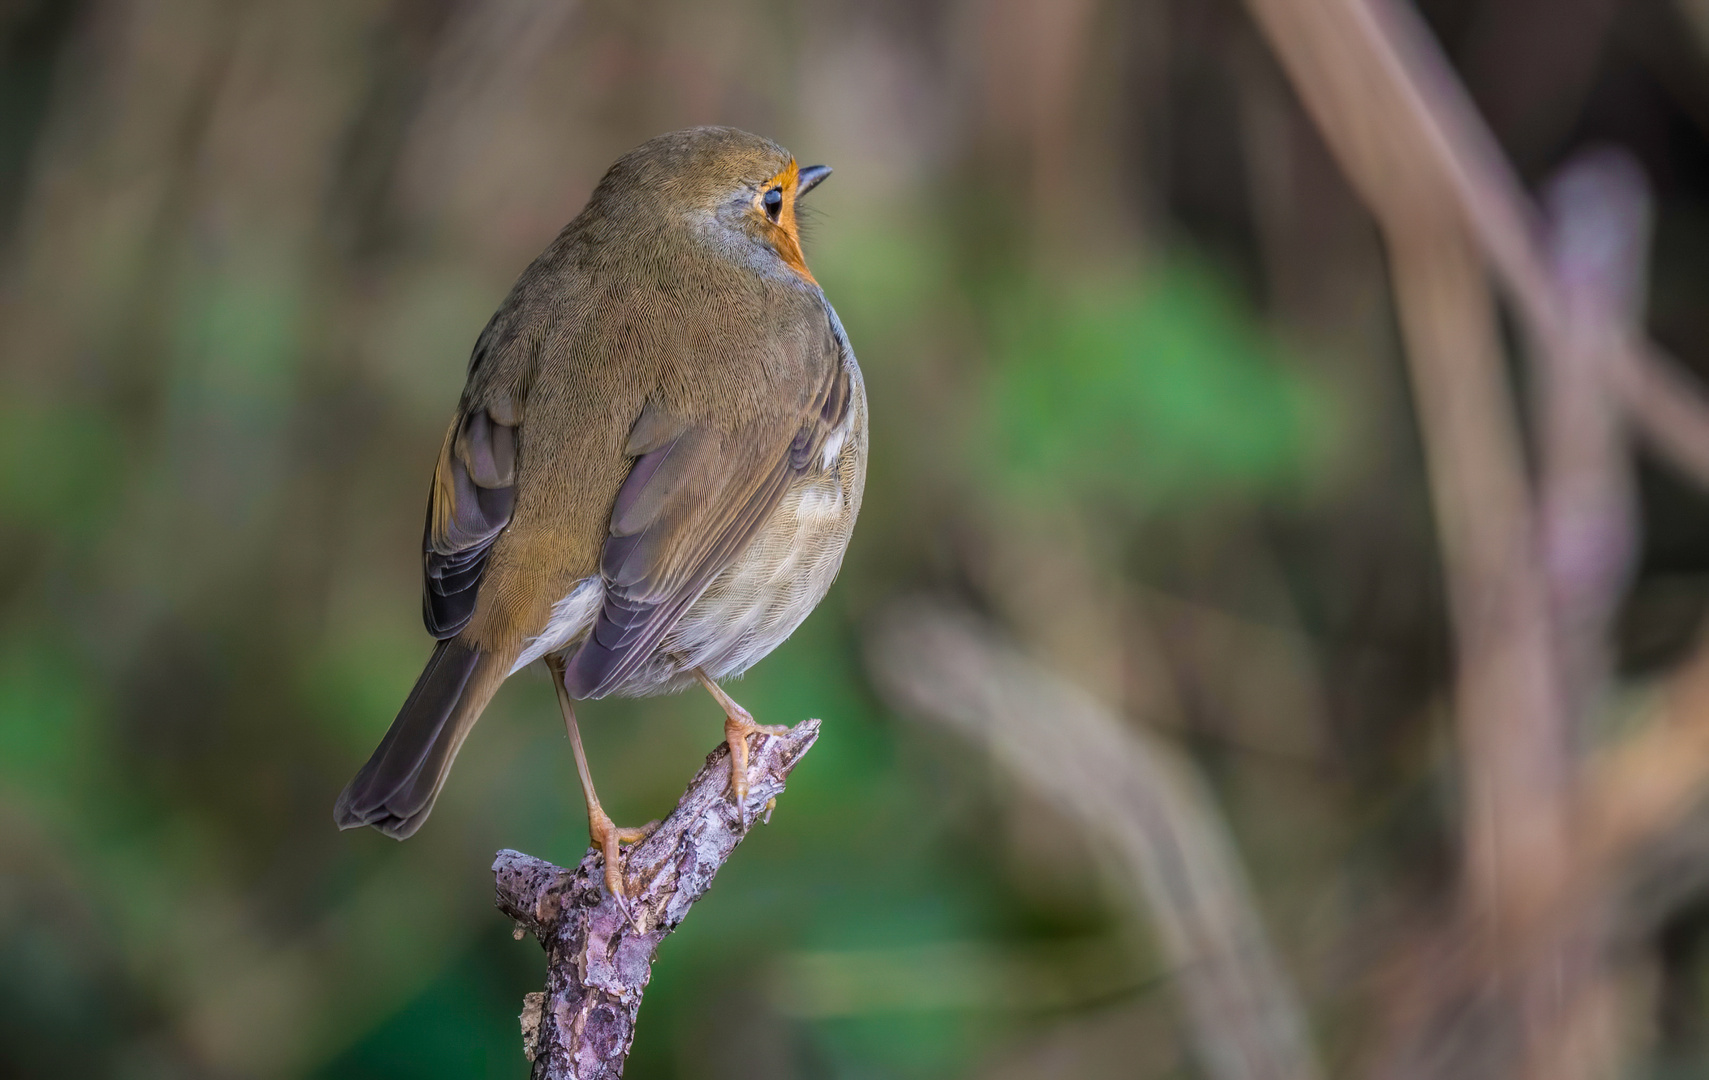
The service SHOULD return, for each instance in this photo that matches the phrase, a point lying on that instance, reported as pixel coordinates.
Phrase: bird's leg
(738, 725)
(600, 829)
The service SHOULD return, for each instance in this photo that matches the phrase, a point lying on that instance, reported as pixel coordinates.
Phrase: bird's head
(736, 189)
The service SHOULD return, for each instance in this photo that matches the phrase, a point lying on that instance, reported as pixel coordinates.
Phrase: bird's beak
(811, 177)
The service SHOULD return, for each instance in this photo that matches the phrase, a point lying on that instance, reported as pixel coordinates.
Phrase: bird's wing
(474, 483)
(695, 496)
(474, 492)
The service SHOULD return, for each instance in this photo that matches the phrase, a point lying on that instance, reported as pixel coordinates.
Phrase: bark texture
(598, 959)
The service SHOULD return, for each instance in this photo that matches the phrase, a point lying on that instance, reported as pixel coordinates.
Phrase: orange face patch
(784, 235)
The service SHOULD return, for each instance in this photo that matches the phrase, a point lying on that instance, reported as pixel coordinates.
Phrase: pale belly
(760, 599)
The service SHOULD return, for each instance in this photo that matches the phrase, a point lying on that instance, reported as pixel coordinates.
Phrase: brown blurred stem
(598, 963)
(1506, 690)
(1138, 795)
(1514, 749)
(1409, 137)
(1515, 986)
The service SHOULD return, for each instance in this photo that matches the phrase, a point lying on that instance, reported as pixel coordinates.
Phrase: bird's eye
(773, 203)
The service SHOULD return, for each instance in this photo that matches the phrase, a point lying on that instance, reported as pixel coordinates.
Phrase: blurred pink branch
(1599, 218)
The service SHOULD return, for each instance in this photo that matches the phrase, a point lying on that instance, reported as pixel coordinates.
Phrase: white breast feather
(571, 616)
(834, 446)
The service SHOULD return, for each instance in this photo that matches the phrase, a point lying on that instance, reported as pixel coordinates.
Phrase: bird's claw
(737, 728)
(609, 838)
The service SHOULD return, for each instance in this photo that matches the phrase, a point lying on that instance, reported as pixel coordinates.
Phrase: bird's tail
(394, 792)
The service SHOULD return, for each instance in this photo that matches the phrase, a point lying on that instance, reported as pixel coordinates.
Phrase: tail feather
(395, 790)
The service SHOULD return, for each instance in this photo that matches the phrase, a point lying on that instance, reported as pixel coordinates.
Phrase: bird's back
(600, 329)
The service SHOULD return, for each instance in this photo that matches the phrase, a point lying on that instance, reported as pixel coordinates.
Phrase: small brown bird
(653, 472)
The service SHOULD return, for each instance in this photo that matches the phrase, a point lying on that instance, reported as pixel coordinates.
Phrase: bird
(651, 476)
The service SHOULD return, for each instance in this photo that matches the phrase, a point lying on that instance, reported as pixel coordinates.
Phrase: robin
(652, 474)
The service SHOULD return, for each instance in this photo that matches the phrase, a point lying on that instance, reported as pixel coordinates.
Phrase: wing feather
(473, 497)
(693, 500)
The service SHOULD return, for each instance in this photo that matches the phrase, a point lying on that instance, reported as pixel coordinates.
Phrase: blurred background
(1138, 400)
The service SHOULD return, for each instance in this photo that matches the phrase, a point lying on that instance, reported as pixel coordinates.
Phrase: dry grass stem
(1135, 793)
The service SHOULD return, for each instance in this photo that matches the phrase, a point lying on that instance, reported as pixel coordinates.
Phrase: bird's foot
(609, 838)
(738, 725)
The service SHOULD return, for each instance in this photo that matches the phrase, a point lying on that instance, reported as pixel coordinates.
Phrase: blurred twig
(1388, 107)
(1508, 712)
(1412, 143)
(1137, 794)
(598, 961)
(1506, 689)
(1599, 218)
(1518, 986)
